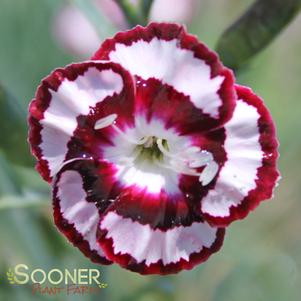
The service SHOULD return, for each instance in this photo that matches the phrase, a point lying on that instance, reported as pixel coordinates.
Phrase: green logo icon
(10, 276)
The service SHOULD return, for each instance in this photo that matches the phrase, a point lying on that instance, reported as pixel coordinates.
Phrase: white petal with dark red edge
(168, 53)
(77, 218)
(244, 156)
(249, 174)
(73, 98)
(174, 66)
(142, 249)
(63, 96)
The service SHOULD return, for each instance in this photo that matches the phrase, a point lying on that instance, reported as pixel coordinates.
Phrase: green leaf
(15, 191)
(261, 277)
(14, 129)
(28, 52)
(31, 180)
(132, 14)
(146, 7)
(261, 23)
(9, 184)
(11, 201)
(135, 14)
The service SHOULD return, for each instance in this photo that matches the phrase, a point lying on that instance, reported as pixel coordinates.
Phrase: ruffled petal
(169, 54)
(64, 96)
(79, 198)
(142, 249)
(250, 173)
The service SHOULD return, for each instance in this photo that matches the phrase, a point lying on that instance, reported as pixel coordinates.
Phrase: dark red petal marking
(146, 251)
(162, 102)
(65, 95)
(86, 141)
(250, 174)
(80, 196)
(159, 210)
(162, 210)
(168, 53)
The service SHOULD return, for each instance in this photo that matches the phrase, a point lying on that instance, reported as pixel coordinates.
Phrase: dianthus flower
(152, 150)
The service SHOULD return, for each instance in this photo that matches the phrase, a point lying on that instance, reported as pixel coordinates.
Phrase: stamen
(204, 159)
(193, 149)
(127, 138)
(163, 149)
(178, 168)
(149, 142)
(110, 120)
(191, 158)
(183, 168)
(105, 122)
(208, 173)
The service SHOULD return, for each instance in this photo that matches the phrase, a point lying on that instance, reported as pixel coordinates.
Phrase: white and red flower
(152, 150)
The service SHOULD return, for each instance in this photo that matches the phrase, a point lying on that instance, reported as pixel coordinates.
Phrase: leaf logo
(10, 276)
(103, 285)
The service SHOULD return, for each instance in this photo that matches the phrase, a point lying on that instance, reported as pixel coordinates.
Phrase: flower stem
(145, 8)
(135, 15)
(251, 33)
(130, 12)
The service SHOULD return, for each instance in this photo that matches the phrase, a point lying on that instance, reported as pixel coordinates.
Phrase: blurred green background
(261, 257)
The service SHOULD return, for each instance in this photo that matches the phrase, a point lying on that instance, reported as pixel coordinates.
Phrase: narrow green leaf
(261, 23)
(13, 129)
(21, 223)
(9, 183)
(31, 180)
(132, 14)
(146, 7)
(12, 201)
(15, 192)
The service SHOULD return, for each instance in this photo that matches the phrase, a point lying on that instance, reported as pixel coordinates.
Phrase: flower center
(150, 149)
(190, 160)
